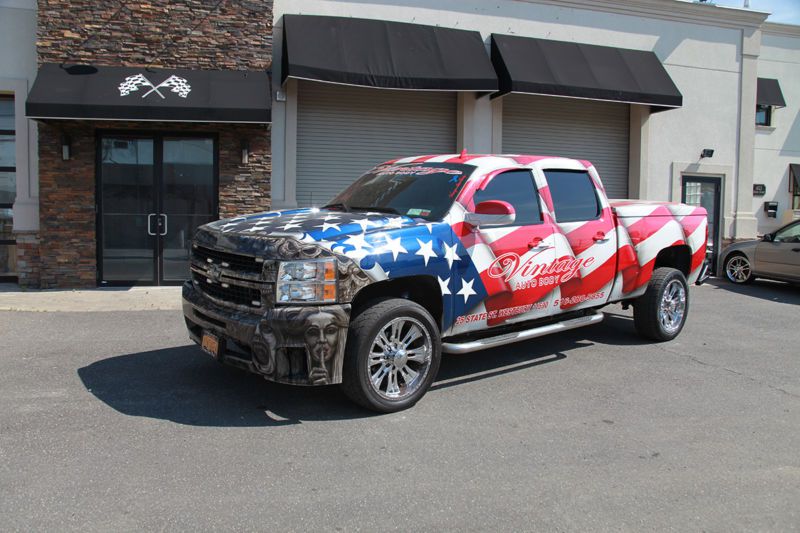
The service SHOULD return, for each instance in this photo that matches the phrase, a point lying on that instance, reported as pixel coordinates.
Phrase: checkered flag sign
(177, 85)
(132, 83)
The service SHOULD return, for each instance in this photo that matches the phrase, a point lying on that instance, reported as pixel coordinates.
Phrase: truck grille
(228, 292)
(231, 261)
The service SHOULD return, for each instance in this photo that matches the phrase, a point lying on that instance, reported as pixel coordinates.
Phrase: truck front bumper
(299, 345)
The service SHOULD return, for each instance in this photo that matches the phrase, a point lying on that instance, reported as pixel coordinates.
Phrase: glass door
(188, 200)
(154, 192)
(127, 210)
(704, 192)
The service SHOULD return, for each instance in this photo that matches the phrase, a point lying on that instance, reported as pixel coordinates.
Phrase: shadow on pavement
(773, 291)
(185, 386)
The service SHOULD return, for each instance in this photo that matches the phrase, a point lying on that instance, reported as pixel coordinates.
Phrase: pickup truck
(435, 254)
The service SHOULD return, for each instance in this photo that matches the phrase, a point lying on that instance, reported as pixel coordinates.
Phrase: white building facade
(777, 144)
(19, 202)
(325, 134)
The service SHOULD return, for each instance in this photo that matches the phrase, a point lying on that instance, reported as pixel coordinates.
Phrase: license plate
(210, 344)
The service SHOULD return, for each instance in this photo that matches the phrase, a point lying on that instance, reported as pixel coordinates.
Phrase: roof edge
(775, 28)
(677, 10)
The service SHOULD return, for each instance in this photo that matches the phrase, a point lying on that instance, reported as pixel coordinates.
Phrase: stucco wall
(779, 145)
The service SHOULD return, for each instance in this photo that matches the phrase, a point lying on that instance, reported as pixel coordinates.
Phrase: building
(18, 172)
(662, 95)
(777, 141)
(153, 118)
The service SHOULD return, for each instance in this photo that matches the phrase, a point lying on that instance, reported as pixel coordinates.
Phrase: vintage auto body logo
(175, 84)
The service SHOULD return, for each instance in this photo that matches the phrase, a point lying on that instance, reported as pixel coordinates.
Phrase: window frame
(597, 201)
(794, 191)
(537, 196)
(767, 115)
(13, 133)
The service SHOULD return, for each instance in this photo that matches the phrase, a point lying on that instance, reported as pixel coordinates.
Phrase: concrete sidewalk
(90, 300)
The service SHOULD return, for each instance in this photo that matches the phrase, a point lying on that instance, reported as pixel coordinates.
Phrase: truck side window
(515, 187)
(574, 195)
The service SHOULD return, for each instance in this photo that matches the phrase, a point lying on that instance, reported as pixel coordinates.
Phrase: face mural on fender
(301, 345)
(324, 333)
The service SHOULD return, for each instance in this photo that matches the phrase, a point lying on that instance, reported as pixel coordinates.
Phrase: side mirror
(768, 237)
(491, 213)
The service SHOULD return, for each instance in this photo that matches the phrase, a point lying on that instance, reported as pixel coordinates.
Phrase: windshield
(420, 190)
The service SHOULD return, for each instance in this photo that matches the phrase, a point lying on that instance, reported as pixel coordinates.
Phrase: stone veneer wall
(188, 34)
(236, 35)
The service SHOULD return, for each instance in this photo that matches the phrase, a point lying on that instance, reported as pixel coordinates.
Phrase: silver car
(775, 256)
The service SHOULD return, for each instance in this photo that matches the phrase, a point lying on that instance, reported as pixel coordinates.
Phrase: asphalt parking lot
(114, 421)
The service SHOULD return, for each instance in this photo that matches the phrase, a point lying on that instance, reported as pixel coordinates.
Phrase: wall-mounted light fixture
(280, 95)
(245, 151)
(707, 152)
(65, 147)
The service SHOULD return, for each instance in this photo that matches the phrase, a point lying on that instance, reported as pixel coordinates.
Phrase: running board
(508, 338)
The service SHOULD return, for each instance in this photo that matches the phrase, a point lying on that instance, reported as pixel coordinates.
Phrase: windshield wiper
(338, 205)
(391, 210)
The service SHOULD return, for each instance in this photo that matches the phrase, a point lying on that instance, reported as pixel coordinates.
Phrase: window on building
(763, 115)
(8, 186)
(515, 187)
(794, 184)
(574, 195)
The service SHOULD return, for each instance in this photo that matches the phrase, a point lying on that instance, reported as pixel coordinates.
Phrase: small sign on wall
(759, 189)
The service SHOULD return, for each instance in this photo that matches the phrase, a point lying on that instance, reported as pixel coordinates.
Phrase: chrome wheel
(738, 269)
(673, 306)
(399, 358)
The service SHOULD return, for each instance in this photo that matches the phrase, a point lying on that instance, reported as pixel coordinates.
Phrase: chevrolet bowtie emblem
(213, 273)
(174, 83)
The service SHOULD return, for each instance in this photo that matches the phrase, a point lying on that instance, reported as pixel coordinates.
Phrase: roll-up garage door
(568, 127)
(343, 131)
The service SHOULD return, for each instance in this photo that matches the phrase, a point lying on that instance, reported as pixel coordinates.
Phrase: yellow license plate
(210, 344)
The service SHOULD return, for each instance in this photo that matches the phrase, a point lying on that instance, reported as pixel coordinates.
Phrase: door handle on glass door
(150, 224)
(164, 232)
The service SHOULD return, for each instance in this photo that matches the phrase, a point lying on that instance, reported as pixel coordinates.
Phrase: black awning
(379, 53)
(122, 93)
(769, 93)
(558, 68)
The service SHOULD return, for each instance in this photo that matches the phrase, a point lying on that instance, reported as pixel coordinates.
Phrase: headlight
(307, 281)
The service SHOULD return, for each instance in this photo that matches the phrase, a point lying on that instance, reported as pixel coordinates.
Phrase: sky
(784, 11)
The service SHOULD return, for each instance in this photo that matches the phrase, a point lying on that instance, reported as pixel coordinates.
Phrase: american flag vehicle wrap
(493, 276)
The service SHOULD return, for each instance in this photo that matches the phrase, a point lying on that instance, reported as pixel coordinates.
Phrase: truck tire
(660, 313)
(392, 355)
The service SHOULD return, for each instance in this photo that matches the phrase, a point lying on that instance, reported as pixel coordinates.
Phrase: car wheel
(392, 355)
(660, 313)
(738, 269)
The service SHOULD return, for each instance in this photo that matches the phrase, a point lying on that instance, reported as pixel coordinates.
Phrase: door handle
(165, 224)
(150, 224)
(599, 237)
(536, 244)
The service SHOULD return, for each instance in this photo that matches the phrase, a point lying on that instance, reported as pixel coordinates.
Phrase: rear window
(574, 195)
